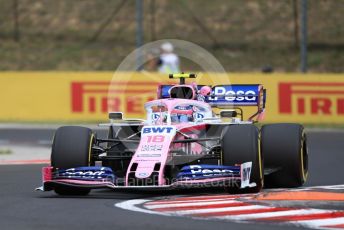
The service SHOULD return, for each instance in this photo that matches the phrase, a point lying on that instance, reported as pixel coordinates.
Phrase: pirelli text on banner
(82, 96)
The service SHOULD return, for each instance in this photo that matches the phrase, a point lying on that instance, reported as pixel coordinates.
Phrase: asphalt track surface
(23, 208)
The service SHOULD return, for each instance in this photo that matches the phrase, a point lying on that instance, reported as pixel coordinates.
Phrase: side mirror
(228, 113)
(116, 116)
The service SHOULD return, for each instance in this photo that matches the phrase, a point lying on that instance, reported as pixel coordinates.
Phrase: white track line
(328, 223)
(212, 210)
(273, 214)
(131, 205)
(192, 204)
(185, 201)
(319, 223)
(208, 197)
(330, 187)
(216, 196)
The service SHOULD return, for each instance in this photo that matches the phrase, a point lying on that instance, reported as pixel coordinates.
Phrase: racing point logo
(103, 96)
(312, 98)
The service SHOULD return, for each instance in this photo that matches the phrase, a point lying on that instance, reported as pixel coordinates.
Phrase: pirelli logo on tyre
(311, 98)
(91, 97)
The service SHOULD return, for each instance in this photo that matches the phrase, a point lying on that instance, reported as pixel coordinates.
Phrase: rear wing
(229, 96)
(237, 95)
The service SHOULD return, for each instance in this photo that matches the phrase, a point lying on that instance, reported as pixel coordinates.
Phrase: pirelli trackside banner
(88, 96)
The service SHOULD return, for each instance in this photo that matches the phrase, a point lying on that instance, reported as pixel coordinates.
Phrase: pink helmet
(205, 90)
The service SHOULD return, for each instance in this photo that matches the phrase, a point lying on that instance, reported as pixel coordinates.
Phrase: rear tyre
(240, 144)
(72, 147)
(285, 153)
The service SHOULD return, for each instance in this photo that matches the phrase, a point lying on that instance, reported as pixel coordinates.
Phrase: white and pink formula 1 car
(182, 144)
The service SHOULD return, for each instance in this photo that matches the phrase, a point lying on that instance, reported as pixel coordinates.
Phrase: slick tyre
(240, 144)
(72, 147)
(284, 147)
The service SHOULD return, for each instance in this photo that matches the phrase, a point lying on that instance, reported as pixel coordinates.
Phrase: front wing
(193, 176)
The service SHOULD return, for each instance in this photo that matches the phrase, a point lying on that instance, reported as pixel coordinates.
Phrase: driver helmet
(185, 114)
(205, 90)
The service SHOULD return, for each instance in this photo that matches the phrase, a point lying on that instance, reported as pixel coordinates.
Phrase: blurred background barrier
(243, 35)
(83, 96)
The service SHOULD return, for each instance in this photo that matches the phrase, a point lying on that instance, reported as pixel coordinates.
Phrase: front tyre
(286, 155)
(72, 147)
(240, 144)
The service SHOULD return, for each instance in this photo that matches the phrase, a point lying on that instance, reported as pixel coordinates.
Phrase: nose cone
(144, 169)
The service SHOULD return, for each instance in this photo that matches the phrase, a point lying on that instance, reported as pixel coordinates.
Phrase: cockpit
(182, 113)
(176, 111)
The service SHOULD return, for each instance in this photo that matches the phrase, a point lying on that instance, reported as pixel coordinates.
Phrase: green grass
(242, 35)
(5, 152)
